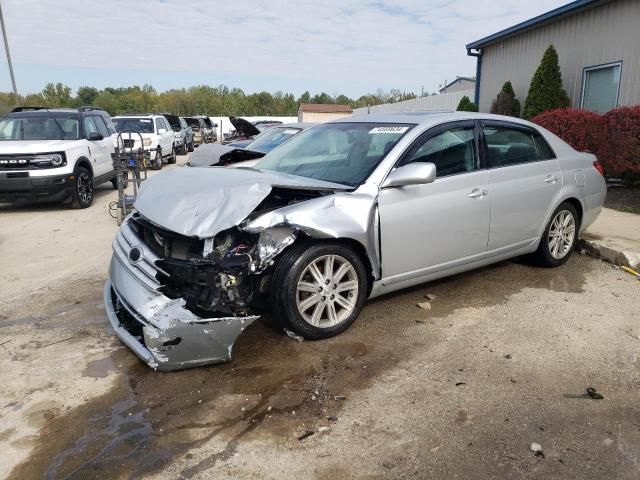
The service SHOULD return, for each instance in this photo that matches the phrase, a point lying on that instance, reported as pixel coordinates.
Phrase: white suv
(55, 154)
(157, 136)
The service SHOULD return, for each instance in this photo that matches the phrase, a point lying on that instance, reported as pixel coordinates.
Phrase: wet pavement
(457, 389)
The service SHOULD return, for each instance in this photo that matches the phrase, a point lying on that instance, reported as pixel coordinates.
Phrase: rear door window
(508, 146)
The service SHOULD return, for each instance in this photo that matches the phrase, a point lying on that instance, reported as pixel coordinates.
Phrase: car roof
(426, 118)
(138, 115)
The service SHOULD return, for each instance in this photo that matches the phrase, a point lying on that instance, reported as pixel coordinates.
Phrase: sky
(340, 47)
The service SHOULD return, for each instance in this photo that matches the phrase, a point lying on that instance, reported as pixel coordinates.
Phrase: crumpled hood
(200, 202)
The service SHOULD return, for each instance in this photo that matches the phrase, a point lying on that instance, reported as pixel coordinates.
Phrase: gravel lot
(457, 391)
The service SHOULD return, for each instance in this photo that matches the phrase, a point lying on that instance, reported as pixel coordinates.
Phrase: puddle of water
(150, 418)
(100, 368)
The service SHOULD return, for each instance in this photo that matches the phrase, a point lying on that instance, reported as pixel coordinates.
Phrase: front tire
(82, 189)
(172, 158)
(559, 238)
(318, 290)
(157, 162)
(191, 147)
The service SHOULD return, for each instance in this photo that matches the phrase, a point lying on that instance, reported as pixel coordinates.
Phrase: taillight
(598, 166)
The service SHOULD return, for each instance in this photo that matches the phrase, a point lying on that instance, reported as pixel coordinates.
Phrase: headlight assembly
(49, 160)
(147, 142)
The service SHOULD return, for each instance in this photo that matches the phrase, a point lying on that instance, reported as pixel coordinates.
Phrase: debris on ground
(431, 296)
(507, 356)
(631, 271)
(591, 393)
(420, 321)
(536, 448)
(323, 429)
(424, 305)
(435, 449)
(340, 397)
(293, 335)
(460, 383)
(332, 419)
(306, 434)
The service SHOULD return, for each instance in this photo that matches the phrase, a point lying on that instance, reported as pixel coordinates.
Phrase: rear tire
(318, 290)
(82, 188)
(559, 238)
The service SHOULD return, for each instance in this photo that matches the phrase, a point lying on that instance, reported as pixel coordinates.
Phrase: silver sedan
(345, 211)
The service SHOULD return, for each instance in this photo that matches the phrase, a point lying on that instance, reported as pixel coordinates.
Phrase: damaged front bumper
(160, 330)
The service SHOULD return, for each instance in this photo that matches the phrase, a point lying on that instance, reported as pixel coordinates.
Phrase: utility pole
(6, 48)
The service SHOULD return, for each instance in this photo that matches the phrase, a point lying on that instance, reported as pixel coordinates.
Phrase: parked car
(247, 155)
(209, 129)
(244, 130)
(199, 128)
(215, 127)
(56, 154)
(157, 136)
(183, 135)
(345, 211)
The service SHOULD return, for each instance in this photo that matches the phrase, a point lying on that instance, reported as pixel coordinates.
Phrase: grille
(165, 243)
(17, 162)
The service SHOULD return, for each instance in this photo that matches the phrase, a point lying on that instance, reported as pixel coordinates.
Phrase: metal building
(598, 44)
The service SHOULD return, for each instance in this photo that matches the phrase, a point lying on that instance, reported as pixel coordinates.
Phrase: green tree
(466, 105)
(58, 95)
(546, 92)
(305, 97)
(506, 102)
(85, 96)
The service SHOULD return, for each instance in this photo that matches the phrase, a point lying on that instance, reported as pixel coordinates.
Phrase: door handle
(551, 179)
(478, 193)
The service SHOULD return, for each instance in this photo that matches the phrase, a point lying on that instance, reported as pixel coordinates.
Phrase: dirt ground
(624, 199)
(457, 391)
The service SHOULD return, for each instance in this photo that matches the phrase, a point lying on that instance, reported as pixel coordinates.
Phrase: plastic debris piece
(340, 397)
(431, 296)
(435, 449)
(631, 271)
(424, 305)
(536, 448)
(591, 393)
(293, 335)
(306, 434)
(323, 429)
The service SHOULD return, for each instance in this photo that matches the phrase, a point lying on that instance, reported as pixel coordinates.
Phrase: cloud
(365, 44)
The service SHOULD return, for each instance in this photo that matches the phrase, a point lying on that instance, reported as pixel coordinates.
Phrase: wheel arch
(84, 162)
(358, 248)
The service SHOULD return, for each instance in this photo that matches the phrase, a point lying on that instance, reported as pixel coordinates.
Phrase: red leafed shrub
(622, 151)
(583, 130)
(613, 137)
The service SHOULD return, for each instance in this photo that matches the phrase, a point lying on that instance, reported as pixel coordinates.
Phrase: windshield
(58, 126)
(270, 139)
(335, 152)
(141, 125)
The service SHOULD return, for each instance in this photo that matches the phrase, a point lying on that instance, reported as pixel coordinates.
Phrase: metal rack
(130, 162)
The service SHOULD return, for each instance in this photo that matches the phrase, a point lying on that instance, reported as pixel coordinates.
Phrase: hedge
(613, 137)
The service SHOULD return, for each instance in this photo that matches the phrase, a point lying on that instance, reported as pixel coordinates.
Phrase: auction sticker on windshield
(389, 130)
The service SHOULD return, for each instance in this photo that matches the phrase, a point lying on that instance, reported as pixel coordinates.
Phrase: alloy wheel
(327, 291)
(562, 234)
(85, 188)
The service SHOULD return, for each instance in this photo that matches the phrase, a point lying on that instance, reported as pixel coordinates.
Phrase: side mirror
(95, 136)
(161, 131)
(411, 174)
